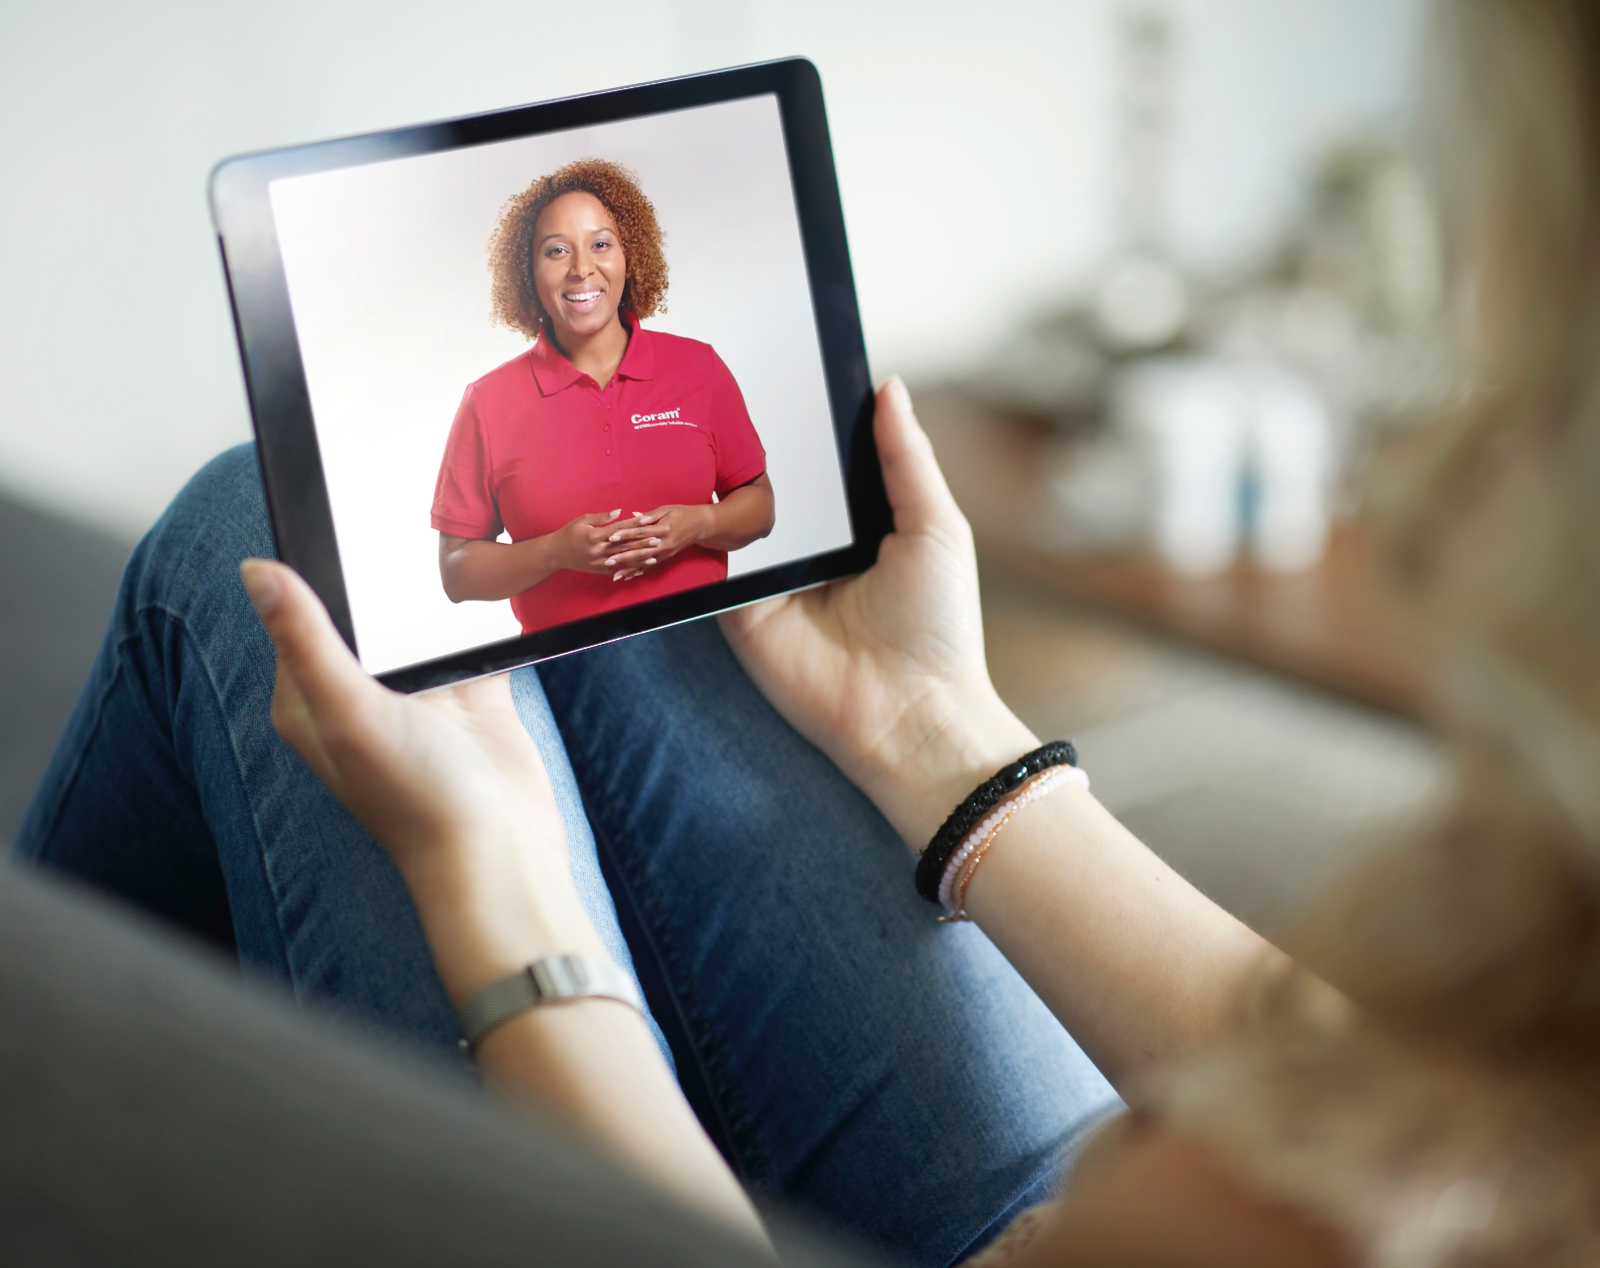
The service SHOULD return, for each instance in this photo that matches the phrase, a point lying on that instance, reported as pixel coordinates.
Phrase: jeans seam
(238, 770)
(689, 1016)
(704, 1037)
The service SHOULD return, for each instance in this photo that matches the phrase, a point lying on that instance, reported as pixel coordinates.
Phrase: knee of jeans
(217, 519)
(225, 498)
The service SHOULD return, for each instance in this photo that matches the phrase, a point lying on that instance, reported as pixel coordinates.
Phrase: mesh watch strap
(548, 981)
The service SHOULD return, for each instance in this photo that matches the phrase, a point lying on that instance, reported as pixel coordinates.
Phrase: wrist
(562, 551)
(703, 526)
(481, 928)
(540, 557)
(937, 755)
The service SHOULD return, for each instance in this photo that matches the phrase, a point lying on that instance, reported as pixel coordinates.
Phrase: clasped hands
(625, 546)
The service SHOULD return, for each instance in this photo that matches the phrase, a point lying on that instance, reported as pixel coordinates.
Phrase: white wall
(973, 142)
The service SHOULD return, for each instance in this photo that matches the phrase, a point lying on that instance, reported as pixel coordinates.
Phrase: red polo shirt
(536, 443)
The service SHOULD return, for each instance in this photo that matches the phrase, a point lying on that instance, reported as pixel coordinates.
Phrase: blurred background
(1161, 275)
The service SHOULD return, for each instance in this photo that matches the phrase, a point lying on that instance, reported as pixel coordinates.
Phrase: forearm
(455, 788)
(596, 1065)
(593, 1063)
(885, 673)
(744, 516)
(1135, 962)
(486, 570)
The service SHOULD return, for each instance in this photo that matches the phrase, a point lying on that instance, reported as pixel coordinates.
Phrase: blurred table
(1334, 625)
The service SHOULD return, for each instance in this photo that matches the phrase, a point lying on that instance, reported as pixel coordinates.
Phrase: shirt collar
(554, 373)
(639, 361)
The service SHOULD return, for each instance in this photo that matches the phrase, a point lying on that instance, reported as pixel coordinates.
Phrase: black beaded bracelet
(965, 817)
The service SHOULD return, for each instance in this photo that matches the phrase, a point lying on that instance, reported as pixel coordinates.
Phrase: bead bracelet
(964, 862)
(982, 799)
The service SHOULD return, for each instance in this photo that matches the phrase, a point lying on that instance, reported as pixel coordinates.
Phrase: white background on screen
(390, 288)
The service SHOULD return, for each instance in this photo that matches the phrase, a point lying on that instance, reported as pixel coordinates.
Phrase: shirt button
(608, 452)
(608, 426)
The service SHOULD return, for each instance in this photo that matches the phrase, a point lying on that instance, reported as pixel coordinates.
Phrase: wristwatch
(552, 980)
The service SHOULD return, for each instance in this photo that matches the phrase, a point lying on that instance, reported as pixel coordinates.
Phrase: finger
(916, 487)
(634, 540)
(480, 695)
(630, 524)
(741, 623)
(631, 569)
(310, 652)
(631, 558)
(595, 518)
(634, 547)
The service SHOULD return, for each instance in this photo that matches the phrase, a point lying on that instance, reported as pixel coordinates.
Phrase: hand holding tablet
(473, 346)
(477, 468)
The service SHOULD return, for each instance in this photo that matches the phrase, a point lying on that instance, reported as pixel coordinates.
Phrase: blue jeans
(851, 1055)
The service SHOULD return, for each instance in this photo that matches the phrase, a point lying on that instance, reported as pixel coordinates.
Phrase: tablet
(430, 321)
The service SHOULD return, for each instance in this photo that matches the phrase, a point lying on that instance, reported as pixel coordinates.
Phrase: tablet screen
(444, 405)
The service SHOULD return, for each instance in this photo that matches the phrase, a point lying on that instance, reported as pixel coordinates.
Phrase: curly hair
(513, 295)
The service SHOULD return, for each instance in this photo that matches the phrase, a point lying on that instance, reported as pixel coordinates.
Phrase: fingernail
(616, 513)
(610, 563)
(655, 541)
(649, 561)
(261, 585)
(897, 389)
(616, 576)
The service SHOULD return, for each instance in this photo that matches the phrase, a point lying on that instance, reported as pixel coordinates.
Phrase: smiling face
(579, 269)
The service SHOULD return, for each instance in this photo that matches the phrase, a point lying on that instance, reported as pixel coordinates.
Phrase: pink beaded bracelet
(964, 862)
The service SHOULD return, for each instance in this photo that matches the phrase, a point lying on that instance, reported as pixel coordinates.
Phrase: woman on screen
(621, 461)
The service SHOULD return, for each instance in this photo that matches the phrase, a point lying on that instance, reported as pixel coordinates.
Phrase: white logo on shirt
(665, 418)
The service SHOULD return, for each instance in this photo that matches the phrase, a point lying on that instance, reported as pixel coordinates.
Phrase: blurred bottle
(1289, 452)
(1189, 413)
(1231, 449)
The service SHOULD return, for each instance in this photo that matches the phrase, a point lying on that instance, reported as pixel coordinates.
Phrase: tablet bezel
(280, 401)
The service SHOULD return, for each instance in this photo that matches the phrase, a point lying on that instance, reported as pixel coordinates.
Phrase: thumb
(917, 491)
(311, 655)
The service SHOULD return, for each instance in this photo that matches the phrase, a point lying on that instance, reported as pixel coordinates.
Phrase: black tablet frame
(280, 401)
